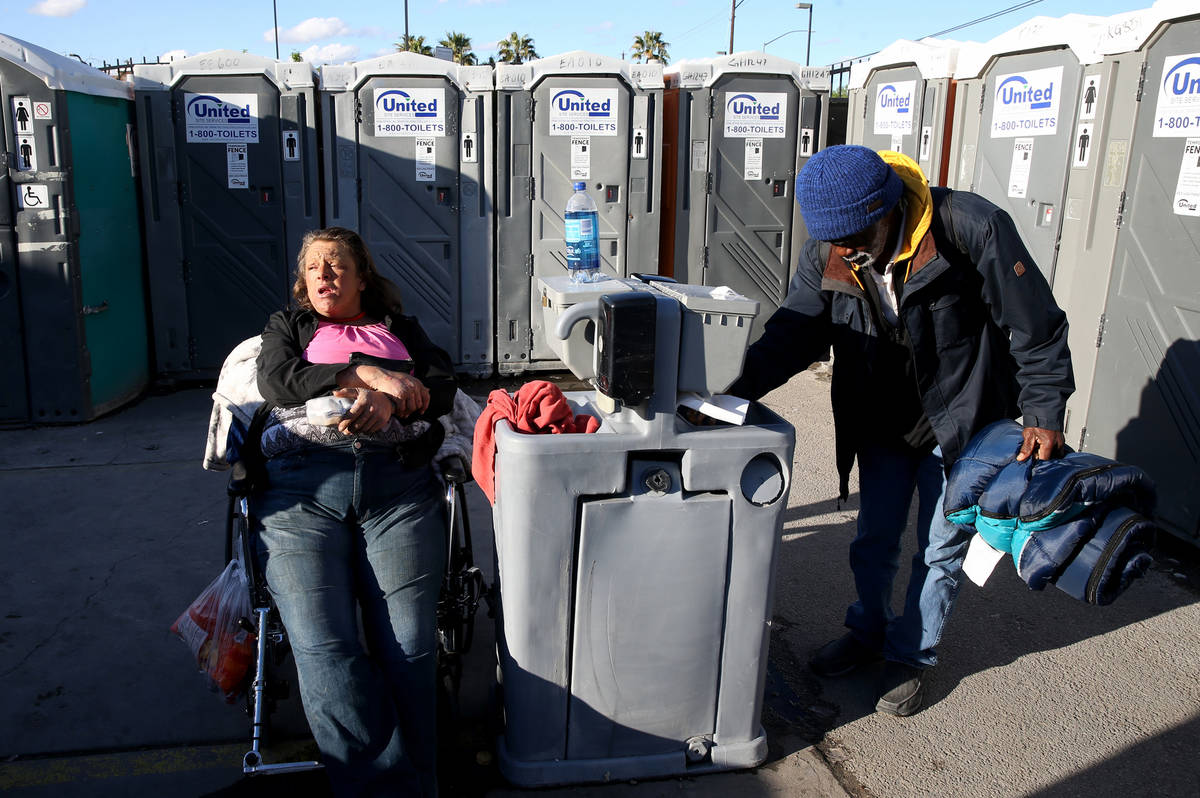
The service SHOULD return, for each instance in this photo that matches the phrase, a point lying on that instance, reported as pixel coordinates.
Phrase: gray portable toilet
(73, 331)
(903, 100)
(1030, 79)
(745, 126)
(1131, 245)
(575, 116)
(408, 143)
(228, 145)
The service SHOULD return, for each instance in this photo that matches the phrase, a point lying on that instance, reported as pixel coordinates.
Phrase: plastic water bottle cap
(579, 185)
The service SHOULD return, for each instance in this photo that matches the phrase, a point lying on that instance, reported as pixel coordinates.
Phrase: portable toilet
(571, 117)
(1131, 241)
(902, 99)
(408, 143)
(744, 127)
(228, 145)
(1016, 142)
(73, 329)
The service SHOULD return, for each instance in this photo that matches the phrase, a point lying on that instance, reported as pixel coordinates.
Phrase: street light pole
(780, 36)
(275, 16)
(406, 40)
(808, 47)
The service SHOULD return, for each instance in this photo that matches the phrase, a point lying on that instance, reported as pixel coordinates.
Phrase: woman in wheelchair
(351, 520)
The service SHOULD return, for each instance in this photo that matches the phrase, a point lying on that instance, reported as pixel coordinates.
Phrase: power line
(1000, 13)
(991, 16)
(708, 21)
(701, 25)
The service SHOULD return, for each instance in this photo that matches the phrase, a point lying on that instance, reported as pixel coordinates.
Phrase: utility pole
(275, 16)
(406, 40)
(732, 12)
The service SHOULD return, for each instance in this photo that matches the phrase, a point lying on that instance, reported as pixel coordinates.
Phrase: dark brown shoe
(842, 656)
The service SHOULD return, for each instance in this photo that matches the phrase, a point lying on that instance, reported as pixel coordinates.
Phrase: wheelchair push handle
(454, 470)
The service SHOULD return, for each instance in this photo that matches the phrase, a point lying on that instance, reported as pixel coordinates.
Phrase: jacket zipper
(1110, 550)
(1062, 494)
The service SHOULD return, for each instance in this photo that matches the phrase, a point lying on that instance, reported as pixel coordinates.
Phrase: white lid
(933, 58)
(1075, 31)
(351, 76)
(285, 74)
(522, 77)
(1127, 32)
(61, 73)
(704, 72)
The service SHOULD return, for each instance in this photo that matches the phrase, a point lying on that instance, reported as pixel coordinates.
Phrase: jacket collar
(918, 247)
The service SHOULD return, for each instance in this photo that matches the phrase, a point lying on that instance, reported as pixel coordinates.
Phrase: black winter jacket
(987, 339)
(286, 378)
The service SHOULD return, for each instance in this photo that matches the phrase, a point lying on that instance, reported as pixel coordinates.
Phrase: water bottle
(582, 237)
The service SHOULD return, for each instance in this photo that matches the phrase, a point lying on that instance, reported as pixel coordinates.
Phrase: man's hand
(1044, 444)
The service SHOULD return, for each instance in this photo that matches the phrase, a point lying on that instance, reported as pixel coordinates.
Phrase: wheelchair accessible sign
(221, 118)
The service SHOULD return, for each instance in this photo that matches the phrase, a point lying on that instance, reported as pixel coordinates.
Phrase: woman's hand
(408, 394)
(370, 412)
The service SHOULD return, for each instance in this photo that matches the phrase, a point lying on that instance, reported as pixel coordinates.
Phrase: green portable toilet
(73, 332)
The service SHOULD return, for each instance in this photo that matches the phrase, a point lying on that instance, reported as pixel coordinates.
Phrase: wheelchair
(462, 588)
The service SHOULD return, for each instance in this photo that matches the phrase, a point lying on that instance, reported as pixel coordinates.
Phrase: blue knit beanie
(844, 189)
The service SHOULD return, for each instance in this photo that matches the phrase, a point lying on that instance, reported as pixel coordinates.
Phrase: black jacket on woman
(285, 378)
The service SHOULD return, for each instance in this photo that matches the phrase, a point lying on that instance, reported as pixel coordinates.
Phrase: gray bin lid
(708, 299)
(61, 73)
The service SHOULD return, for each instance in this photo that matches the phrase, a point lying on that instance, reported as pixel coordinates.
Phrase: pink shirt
(334, 343)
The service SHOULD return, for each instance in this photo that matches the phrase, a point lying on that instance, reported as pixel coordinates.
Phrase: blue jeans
(343, 531)
(887, 478)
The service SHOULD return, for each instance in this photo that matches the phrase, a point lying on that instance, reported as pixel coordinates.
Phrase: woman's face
(331, 277)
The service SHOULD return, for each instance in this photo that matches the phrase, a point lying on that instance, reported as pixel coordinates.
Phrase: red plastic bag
(210, 627)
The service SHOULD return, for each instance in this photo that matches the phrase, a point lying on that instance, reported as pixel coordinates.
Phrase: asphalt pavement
(112, 528)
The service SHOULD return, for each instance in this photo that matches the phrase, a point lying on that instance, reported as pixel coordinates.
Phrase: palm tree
(517, 49)
(460, 47)
(650, 46)
(414, 44)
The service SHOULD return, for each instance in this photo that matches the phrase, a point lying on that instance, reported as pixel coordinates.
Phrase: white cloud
(173, 55)
(310, 30)
(608, 25)
(330, 53)
(57, 8)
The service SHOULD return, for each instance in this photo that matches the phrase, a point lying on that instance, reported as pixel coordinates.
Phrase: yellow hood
(920, 202)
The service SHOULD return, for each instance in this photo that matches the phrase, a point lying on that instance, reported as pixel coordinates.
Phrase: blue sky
(108, 30)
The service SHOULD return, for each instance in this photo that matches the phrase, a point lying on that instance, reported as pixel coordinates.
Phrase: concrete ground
(112, 528)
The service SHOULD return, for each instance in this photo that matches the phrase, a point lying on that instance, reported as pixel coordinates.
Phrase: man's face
(867, 246)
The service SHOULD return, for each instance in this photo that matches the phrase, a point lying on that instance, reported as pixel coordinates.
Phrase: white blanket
(237, 397)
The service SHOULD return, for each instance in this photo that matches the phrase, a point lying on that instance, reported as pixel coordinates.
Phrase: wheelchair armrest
(239, 480)
(454, 470)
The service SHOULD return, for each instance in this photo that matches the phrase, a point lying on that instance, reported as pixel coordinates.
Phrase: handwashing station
(636, 564)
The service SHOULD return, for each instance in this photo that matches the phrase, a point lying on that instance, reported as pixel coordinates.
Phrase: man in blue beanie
(940, 323)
